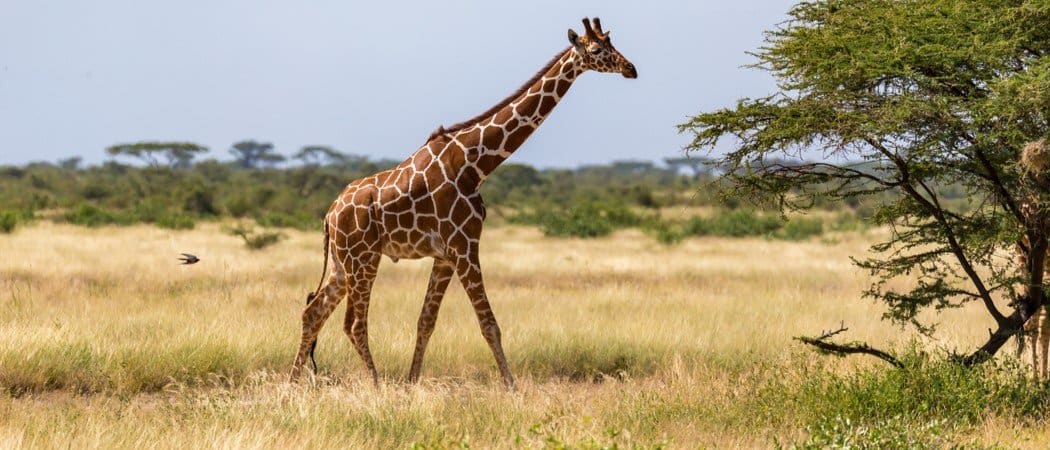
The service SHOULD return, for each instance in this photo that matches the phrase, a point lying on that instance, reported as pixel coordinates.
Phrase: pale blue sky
(372, 78)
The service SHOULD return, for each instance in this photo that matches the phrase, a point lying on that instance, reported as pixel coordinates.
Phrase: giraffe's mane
(489, 112)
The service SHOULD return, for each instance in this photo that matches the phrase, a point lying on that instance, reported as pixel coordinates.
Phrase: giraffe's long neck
(495, 137)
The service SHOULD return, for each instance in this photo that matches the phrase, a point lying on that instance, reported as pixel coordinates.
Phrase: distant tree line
(170, 185)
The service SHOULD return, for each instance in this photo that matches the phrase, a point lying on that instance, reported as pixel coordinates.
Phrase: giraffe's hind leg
(356, 323)
(1041, 342)
(440, 276)
(315, 315)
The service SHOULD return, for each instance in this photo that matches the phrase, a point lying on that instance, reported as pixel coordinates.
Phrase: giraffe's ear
(574, 38)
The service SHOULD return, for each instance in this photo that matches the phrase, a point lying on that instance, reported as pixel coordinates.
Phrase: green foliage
(251, 154)
(736, 223)
(913, 407)
(589, 201)
(179, 155)
(150, 210)
(8, 220)
(278, 220)
(799, 228)
(92, 216)
(546, 435)
(239, 205)
(199, 201)
(599, 218)
(176, 222)
(922, 105)
(585, 219)
(664, 232)
(253, 239)
(321, 155)
(892, 433)
(575, 223)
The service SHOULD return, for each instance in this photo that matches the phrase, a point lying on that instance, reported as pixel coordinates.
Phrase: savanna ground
(618, 341)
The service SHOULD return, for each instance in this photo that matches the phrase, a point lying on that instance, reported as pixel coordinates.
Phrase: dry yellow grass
(106, 342)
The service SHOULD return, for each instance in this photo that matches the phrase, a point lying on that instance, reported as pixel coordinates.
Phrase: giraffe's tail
(312, 295)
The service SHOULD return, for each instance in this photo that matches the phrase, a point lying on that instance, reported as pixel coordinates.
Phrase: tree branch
(821, 342)
(996, 340)
(953, 243)
(993, 176)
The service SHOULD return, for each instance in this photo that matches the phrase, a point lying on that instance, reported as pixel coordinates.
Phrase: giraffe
(1035, 162)
(1036, 334)
(430, 206)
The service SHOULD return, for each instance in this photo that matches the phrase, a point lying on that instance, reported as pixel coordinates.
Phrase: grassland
(106, 342)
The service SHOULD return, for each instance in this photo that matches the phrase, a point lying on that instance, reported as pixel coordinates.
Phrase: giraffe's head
(597, 53)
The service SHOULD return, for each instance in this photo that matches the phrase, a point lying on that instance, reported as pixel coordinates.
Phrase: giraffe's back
(411, 209)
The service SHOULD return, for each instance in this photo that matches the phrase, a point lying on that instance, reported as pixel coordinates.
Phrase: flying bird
(189, 259)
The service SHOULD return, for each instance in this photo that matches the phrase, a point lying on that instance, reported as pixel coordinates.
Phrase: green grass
(931, 403)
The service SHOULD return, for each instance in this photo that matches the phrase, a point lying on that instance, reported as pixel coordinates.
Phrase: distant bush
(599, 218)
(664, 232)
(200, 201)
(255, 240)
(149, 210)
(239, 205)
(278, 220)
(846, 221)
(574, 223)
(799, 228)
(93, 216)
(175, 221)
(584, 219)
(737, 223)
(8, 221)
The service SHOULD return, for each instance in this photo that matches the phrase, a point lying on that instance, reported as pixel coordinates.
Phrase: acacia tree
(900, 98)
(179, 155)
(252, 154)
(319, 155)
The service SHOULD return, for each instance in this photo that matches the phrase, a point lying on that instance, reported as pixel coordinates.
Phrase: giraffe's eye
(596, 50)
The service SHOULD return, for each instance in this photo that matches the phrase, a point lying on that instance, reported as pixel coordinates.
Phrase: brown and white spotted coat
(1035, 165)
(430, 206)
(1036, 334)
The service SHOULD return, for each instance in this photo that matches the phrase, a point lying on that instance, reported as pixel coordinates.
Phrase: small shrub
(200, 201)
(896, 432)
(931, 396)
(845, 221)
(149, 210)
(239, 205)
(737, 223)
(8, 221)
(93, 216)
(263, 239)
(255, 240)
(584, 219)
(278, 220)
(664, 232)
(575, 223)
(799, 228)
(174, 221)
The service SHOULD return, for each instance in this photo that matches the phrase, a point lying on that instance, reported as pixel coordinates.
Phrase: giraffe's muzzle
(630, 71)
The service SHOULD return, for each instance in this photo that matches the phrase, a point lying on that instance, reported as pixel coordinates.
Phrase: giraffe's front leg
(440, 275)
(314, 317)
(469, 270)
(1041, 342)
